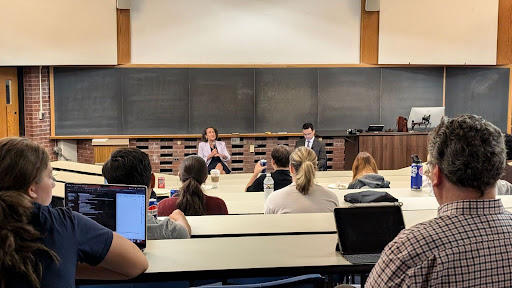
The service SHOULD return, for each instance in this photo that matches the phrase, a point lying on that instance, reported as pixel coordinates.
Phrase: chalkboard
(285, 99)
(403, 88)
(149, 101)
(348, 98)
(155, 100)
(223, 98)
(480, 91)
(88, 101)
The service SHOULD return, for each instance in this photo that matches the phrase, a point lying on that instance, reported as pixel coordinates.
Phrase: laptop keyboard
(362, 258)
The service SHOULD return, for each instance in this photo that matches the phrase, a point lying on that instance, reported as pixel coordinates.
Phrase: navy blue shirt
(73, 237)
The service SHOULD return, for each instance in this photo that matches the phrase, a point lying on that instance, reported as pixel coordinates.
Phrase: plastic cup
(215, 177)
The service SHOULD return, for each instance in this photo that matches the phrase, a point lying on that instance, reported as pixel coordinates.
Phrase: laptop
(120, 208)
(375, 128)
(365, 230)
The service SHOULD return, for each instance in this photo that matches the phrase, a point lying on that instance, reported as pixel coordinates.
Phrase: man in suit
(311, 142)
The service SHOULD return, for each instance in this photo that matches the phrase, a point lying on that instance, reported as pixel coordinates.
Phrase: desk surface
(96, 169)
(280, 224)
(250, 256)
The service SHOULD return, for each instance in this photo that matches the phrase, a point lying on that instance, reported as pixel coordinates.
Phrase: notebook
(364, 230)
(120, 208)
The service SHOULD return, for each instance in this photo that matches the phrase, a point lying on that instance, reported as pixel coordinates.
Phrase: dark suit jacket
(319, 148)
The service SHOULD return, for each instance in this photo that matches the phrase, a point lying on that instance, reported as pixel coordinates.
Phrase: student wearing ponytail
(191, 199)
(303, 195)
(46, 247)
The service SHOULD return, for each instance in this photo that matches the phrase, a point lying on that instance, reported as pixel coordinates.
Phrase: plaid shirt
(469, 244)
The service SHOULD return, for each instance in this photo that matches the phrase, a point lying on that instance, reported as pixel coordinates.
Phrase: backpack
(401, 124)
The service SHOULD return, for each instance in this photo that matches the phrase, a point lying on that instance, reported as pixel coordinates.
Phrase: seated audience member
(281, 175)
(365, 173)
(313, 143)
(303, 195)
(468, 243)
(507, 174)
(131, 166)
(46, 247)
(214, 152)
(191, 199)
(503, 186)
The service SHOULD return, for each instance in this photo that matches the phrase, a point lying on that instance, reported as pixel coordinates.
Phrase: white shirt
(310, 142)
(290, 200)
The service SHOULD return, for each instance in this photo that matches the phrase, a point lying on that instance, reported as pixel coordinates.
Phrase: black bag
(369, 196)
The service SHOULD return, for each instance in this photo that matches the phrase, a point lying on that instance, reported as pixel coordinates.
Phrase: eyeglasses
(427, 168)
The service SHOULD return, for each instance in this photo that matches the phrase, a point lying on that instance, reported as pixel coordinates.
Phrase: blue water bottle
(416, 173)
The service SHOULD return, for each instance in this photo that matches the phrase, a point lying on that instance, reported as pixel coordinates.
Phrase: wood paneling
(102, 153)
(9, 113)
(369, 36)
(394, 151)
(124, 50)
(509, 119)
(504, 55)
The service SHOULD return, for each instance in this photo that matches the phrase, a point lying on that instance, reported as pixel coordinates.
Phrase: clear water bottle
(268, 186)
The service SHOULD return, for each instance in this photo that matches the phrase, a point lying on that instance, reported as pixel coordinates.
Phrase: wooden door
(9, 109)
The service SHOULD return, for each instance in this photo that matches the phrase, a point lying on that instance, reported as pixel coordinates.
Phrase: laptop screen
(367, 230)
(120, 208)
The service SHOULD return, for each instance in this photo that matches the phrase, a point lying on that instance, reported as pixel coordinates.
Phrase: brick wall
(166, 154)
(36, 129)
(84, 151)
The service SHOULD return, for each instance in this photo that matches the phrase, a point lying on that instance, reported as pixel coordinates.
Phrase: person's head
(129, 166)
(25, 168)
(363, 164)
(25, 177)
(467, 156)
(308, 131)
(193, 173)
(303, 163)
(281, 156)
(508, 146)
(210, 134)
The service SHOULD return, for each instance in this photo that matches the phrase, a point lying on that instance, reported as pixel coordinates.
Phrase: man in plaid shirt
(469, 243)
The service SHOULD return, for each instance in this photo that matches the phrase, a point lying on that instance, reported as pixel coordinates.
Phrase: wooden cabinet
(394, 150)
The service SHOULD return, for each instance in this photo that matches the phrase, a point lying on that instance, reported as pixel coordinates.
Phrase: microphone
(214, 146)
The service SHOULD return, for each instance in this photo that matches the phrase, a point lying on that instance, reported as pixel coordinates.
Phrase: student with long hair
(191, 199)
(46, 247)
(303, 195)
(366, 174)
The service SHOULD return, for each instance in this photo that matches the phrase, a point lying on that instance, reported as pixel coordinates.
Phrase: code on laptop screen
(119, 208)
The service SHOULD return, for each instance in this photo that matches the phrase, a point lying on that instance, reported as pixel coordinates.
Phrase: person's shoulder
(214, 199)
(281, 172)
(321, 188)
(165, 229)
(418, 238)
(47, 215)
(290, 189)
(168, 201)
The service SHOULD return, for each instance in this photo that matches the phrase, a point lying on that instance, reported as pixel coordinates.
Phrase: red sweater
(214, 206)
